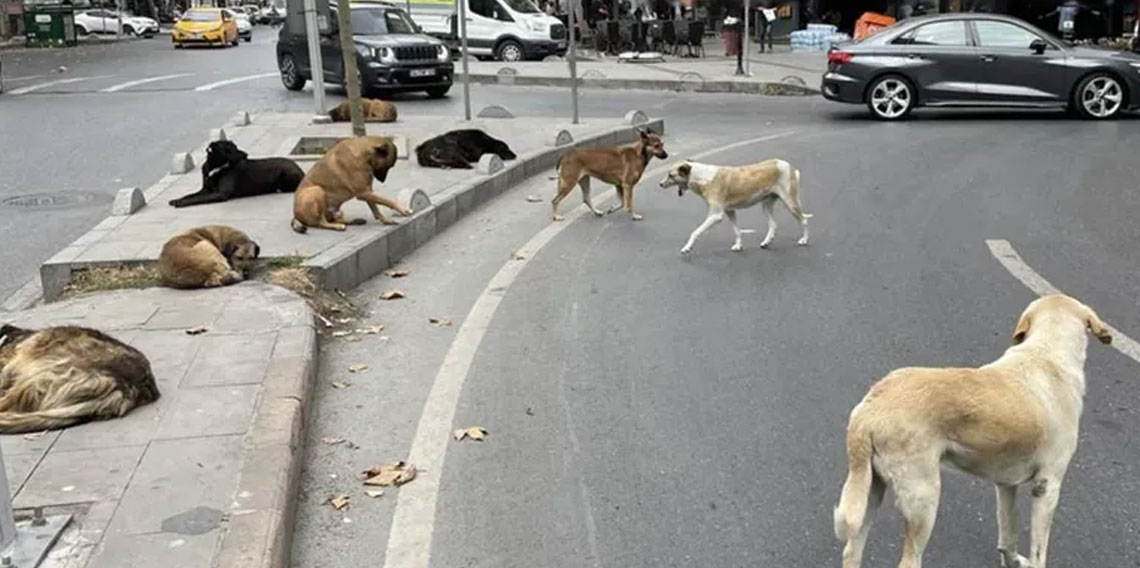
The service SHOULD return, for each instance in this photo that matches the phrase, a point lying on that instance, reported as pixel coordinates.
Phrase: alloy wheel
(891, 98)
(1102, 97)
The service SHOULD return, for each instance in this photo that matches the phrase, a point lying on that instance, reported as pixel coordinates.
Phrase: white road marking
(409, 542)
(38, 86)
(129, 84)
(212, 86)
(1008, 257)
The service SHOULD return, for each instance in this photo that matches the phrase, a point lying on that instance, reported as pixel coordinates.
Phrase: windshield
(201, 16)
(380, 21)
(522, 6)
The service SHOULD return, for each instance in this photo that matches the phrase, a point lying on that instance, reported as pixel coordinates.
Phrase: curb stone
(705, 86)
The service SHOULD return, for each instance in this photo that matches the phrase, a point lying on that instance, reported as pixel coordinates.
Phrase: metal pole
(351, 71)
(7, 519)
(315, 64)
(572, 59)
(463, 46)
(747, 40)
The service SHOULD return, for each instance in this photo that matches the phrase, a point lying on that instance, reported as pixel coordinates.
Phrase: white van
(508, 30)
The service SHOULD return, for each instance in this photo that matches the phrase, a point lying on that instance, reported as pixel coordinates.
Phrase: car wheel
(438, 92)
(509, 51)
(248, 38)
(290, 75)
(128, 30)
(890, 98)
(80, 31)
(177, 45)
(1099, 96)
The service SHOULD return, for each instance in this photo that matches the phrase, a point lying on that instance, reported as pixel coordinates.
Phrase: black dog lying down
(458, 148)
(229, 173)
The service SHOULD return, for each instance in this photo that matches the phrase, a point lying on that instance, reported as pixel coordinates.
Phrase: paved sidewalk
(164, 486)
(782, 72)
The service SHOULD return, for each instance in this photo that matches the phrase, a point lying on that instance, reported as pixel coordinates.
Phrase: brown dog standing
(206, 257)
(375, 110)
(344, 173)
(621, 167)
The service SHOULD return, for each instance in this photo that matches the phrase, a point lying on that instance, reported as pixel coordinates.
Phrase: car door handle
(989, 58)
(914, 56)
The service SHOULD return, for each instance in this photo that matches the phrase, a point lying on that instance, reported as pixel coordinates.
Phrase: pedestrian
(767, 17)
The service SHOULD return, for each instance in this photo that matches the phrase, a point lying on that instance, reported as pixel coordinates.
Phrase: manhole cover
(54, 200)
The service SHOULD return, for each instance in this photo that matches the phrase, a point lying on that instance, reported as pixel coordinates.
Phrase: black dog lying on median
(458, 148)
(229, 173)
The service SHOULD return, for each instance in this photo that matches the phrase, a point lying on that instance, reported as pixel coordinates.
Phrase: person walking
(765, 18)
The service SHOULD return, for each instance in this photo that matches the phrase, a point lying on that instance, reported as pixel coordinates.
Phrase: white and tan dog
(728, 188)
(1012, 422)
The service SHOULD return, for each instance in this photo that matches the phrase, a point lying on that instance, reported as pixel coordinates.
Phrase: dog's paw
(175, 203)
(765, 244)
(636, 217)
(1013, 560)
(405, 212)
(557, 218)
(598, 212)
(686, 250)
(736, 247)
(802, 242)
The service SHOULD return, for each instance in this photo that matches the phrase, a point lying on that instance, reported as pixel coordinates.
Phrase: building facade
(11, 18)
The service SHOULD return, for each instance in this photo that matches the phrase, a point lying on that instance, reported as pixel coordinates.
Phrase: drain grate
(54, 200)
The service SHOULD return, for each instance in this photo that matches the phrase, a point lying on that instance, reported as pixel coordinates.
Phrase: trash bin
(730, 34)
(49, 24)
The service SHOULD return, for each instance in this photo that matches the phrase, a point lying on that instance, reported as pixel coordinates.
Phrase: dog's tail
(851, 512)
(299, 226)
(795, 194)
(55, 418)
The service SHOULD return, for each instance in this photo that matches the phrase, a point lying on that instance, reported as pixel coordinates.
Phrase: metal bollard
(26, 545)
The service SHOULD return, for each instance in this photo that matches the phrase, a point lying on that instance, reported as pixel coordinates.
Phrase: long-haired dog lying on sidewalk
(60, 376)
(229, 173)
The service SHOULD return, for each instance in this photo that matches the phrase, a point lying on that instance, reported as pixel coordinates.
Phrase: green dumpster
(49, 24)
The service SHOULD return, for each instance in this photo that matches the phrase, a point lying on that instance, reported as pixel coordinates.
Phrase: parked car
(507, 30)
(251, 11)
(207, 26)
(245, 28)
(978, 60)
(271, 15)
(112, 22)
(392, 53)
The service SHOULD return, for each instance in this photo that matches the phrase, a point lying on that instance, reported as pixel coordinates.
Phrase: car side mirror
(1038, 46)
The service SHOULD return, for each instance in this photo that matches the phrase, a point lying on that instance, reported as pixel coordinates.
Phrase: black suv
(392, 53)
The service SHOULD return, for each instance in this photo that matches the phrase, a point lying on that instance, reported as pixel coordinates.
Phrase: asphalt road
(646, 409)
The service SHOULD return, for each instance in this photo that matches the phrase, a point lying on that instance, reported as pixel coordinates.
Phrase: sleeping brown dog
(375, 110)
(346, 172)
(60, 376)
(206, 257)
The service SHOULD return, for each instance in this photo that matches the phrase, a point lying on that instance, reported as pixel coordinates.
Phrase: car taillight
(839, 57)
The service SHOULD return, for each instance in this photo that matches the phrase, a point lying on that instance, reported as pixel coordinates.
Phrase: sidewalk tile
(210, 411)
(18, 468)
(160, 550)
(169, 353)
(22, 444)
(230, 360)
(136, 428)
(80, 476)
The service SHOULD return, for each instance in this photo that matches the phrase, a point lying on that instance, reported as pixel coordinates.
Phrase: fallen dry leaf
(357, 368)
(517, 256)
(474, 433)
(339, 502)
(352, 446)
(374, 493)
(397, 272)
(370, 330)
(534, 199)
(332, 441)
(341, 384)
(341, 333)
(397, 474)
(196, 331)
(391, 294)
(342, 320)
(440, 322)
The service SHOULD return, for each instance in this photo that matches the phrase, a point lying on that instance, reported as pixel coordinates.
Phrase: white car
(111, 22)
(245, 28)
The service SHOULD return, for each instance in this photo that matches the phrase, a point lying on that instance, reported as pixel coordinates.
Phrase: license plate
(195, 36)
(1067, 25)
(421, 72)
(561, 44)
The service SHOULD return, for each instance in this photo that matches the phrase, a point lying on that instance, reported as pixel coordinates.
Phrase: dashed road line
(39, 86)
(1004, 252)
(212, 86)
(409, 542)
(137, 82)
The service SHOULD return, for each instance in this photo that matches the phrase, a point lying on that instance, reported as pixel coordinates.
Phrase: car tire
(510, 51)
(177, 45)
(290, 75)
(1099, 96)
(129, 31)
(248, 39)
(438, 92)
(891, 97)
(80, 31)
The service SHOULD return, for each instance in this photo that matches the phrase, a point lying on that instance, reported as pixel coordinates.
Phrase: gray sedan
(978, 60)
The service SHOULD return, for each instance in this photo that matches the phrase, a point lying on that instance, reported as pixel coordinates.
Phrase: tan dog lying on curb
(206, 257)
(1012, 422)
(345, 172)
(375, 110)
(728, 188)
(621, 167)
(59, 376)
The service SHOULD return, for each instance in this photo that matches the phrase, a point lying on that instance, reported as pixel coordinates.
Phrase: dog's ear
(256, 250)
(1022, 329)
(685, 169)
(1097, 327)
(643, 133)
(228, 250)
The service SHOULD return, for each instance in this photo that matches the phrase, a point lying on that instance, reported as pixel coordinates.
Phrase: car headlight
(535, 26)
(442, 53)
(384, 54)
(1135, 66)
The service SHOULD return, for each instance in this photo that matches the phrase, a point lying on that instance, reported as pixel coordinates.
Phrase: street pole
(746, 41)
(312, 34)
(351, 72)
(463, 46)
(572, 59)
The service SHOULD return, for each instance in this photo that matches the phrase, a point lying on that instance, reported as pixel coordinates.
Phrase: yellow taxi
(208, 26)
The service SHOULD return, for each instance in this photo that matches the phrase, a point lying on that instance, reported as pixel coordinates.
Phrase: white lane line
(129, 84)
(409, 543)
(1008, 257)
(212, 86)
(38, 86)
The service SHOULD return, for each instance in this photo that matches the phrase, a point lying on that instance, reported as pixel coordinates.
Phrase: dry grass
(103, 278)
